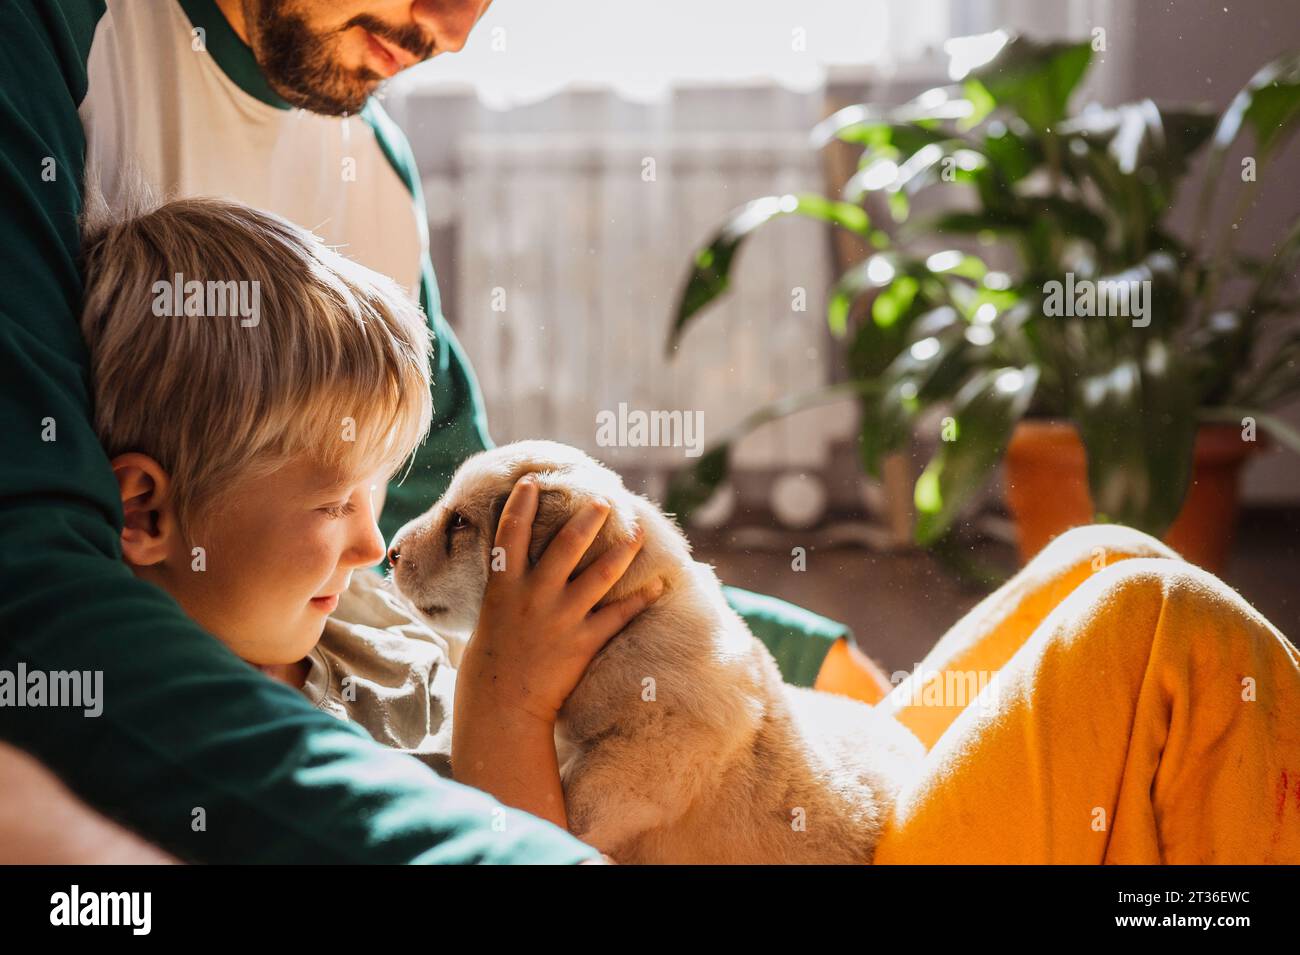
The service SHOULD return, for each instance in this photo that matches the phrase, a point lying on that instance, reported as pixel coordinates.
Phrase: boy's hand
(536, 632)
(536, 635)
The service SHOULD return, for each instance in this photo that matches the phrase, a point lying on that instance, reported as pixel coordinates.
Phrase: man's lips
(387, 59)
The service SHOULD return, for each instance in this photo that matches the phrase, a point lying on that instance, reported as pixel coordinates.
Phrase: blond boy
(254, 392)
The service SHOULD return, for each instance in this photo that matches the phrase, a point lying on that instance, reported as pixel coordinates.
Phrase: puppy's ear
(562, 492)
(555, 505)
(494, 514)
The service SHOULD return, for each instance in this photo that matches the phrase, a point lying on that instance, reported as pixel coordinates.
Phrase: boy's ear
(145, 489)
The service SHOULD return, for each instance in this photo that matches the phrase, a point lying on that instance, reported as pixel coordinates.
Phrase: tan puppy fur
(681, 743)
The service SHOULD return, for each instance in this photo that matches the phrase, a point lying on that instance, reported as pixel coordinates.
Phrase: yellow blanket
(1111, 703)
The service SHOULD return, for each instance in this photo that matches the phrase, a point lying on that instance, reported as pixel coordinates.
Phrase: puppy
(681, 743)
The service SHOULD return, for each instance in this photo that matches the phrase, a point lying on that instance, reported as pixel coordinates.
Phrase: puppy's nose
(393, 554)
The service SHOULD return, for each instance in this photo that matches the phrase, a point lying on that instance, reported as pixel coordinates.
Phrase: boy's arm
(177, 738)
(509, 754)
(537, 632)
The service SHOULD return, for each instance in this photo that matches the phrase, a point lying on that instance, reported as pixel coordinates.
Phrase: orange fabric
(1134, 710)
(848, 672)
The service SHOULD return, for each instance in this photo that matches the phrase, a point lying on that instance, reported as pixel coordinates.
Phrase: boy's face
(275, 555)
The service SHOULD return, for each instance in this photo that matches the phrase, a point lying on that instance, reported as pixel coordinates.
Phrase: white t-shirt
(203, 133)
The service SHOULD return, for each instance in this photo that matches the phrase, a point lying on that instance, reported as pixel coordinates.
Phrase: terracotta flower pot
(1046, 480)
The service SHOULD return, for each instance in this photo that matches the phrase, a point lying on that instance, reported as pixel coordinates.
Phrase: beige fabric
(380, 667)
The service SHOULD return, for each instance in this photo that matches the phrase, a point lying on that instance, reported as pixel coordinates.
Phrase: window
(525, 51)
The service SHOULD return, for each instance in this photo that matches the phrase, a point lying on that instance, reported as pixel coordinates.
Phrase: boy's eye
(340, 510)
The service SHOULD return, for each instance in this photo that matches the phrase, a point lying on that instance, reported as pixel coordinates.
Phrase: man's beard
(300, 64)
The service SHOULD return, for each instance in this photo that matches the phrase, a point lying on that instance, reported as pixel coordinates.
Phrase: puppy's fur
(681, 743)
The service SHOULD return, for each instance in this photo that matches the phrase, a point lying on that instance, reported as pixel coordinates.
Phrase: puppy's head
(444, 556)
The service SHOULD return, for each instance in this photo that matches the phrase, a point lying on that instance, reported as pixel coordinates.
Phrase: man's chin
(341, 102)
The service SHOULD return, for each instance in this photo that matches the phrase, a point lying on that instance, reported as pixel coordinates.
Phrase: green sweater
(185, 725)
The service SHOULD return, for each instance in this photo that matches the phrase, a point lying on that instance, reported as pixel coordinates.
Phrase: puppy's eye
(455, 522)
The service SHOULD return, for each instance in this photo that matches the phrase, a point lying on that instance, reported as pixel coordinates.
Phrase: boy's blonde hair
(332, 361)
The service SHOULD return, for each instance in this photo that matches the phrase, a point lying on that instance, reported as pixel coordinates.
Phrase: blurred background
(577, 154)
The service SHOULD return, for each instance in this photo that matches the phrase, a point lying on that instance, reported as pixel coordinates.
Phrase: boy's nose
(367, 547)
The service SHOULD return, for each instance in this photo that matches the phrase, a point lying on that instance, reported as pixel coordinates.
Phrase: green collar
(229, 52)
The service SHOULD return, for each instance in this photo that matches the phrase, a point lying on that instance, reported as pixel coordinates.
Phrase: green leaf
(952, 159)
(1138, 424)
(873, 126)
(1012, 149)
(710, 274)
(690, 489)
(872, 273)
(899, 206)
(1277, 378)
(1273, 273)
(924, 372)
(843, 214)
(981, 100)
(985, 411)
(888, 139)
(894, 300)
(990, 222)
(1033, 79)
(1217, 351)
(1270, 105)
(1141, 134)
(1071, 217)
(884, 270)
(1135, 155)
(1032, 217)
(956, 262)
(882, 428)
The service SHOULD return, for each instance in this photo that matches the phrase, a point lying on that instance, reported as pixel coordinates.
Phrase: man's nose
(449, 21)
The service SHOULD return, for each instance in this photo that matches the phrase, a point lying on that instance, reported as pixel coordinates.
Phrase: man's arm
(193, 749)
(41, 823)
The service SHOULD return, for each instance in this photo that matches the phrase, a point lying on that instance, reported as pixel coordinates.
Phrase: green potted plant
(1108, 361)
